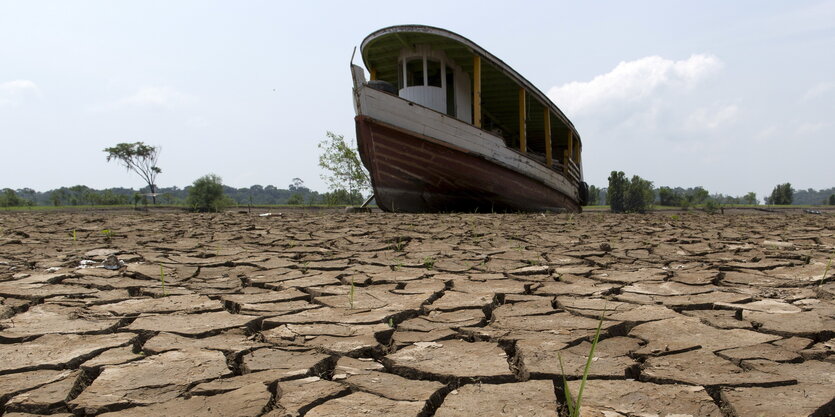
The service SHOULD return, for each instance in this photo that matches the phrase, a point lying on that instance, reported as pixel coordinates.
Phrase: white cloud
(17, 86)
(165, 97)
(811, 128)
(818, 90)
(711, 117)
(12, 91)
(633, 81)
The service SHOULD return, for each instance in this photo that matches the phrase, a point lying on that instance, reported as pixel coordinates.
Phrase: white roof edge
(477, 50)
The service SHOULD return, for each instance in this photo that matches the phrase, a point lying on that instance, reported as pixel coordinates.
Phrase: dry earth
(331, 314)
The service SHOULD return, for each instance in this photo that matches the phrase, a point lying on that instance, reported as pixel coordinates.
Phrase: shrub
(639, 195)
(711, 206)
(206, 195)
(832, 200)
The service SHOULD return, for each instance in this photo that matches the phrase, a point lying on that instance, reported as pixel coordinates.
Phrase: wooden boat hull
(413, 173)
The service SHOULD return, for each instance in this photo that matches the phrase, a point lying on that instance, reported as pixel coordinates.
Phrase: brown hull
(410, 173)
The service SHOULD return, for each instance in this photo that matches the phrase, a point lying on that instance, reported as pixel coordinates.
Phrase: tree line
(637, 195)
(81, 195)
(346, 177)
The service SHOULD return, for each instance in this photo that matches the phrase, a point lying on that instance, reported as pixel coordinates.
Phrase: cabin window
(414, 72)
(450, 92)
(433, 73)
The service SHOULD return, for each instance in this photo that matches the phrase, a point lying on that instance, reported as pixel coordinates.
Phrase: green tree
(782, 194)
(832, 200)
(594, 195)
(617, 190)
(344, 171)
(295, 200)
(668, 197)
(697, 196)
(341, 197)
(9, 198)
(206, 194)
(750, 198)
(639, 195)
(139, 158)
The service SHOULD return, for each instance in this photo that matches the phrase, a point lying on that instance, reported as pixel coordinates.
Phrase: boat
(445, 126)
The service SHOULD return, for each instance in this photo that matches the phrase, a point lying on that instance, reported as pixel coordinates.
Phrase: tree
(297, 185)
(344, 171)
(668, 197)
(617, 189)
(206, 194)
(697, 196)
(782, 194)
(139, 158)
(9, 198)
(295, 200)
(341, 197)
(594, 195)
(832, 200)
(750, 198)
(639, 195)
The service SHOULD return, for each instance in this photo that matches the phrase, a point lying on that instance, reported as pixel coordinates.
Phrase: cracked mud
(331, 314)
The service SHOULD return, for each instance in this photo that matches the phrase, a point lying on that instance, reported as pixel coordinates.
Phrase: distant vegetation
(696, 197)
(782, 194)
(139, 158)
(206, 195)
(80, 195)
(629, 196)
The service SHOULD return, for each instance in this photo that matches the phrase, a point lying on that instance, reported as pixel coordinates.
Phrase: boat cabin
(453, 76)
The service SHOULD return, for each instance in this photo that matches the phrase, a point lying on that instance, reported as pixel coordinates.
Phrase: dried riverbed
(331, 314)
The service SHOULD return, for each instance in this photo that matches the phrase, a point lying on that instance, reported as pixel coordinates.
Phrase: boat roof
(501, 98)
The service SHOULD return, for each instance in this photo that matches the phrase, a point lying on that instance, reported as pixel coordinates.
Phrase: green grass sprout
(162, 280)
(574, 405)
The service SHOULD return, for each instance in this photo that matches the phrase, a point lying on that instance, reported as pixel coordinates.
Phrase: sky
(732, 96)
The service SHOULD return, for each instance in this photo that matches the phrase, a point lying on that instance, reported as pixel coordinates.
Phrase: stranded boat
(443, 125)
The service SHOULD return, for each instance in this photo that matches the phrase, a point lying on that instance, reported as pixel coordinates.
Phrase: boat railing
(572, 170)
(569, 170)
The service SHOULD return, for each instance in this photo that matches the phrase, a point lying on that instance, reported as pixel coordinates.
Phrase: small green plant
(675, 217)
(826, 271)
(351, 294)
(108, 235)
(305, 266)
(391, 322)
(162, 280)
(574, 404)
(73, 235)
(428, 262)
(399, 245)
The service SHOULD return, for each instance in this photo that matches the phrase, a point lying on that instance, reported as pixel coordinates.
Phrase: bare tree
(139, 158)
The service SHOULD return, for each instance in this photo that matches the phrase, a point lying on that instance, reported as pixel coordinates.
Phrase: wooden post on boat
(549, 159)
(373, 74)
(570, 145)
(566, 154)
(523, 140)
(477, 91)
